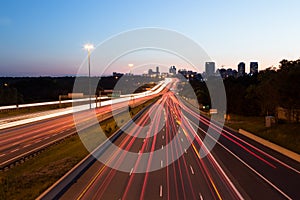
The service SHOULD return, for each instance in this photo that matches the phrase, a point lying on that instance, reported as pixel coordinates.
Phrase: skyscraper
(172, 70)
(209, 68)
(241, 69)
(157, 70)
(150, 72)
(253, 68)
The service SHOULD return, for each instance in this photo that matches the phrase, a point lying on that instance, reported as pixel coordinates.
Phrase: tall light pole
(130, 68)
(89, 47)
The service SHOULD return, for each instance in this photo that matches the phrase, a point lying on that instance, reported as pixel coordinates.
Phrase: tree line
(20, 90)
(261, 93)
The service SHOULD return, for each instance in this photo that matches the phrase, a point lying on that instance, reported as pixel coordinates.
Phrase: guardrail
(12, 107)
(65, 182)
(22, 106)
(23, 156)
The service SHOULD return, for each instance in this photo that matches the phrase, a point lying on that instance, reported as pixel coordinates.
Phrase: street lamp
(130, 68)
(89, 47)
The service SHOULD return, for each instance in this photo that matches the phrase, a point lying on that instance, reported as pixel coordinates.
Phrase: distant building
(154, 73)
(172, 70)
(209, 68)
(241, 69)
(157, 70)
(253, 68)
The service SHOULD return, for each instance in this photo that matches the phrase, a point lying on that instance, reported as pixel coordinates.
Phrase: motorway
(236, 168)
(18, 142)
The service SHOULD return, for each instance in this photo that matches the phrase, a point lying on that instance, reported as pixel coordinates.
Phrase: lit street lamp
(89, 47)
(130, 68)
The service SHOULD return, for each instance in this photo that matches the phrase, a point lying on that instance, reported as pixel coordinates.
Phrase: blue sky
(45, 37)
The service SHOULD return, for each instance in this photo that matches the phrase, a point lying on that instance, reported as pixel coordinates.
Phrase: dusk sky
(45, 37)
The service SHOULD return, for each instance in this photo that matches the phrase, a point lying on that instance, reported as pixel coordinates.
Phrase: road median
(59, 187)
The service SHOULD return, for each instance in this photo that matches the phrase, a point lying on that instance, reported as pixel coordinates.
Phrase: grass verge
(31, 178)
(284, 134)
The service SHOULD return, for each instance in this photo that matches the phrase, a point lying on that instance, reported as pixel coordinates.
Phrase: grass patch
(284, 134)
(29, 179)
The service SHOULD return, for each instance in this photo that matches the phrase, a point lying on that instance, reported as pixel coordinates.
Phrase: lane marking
(46, 138)
(185, 151)
(90, 183)
(214, 186)
(139, 152)
(161, 163)
(214, 160)
(192, 169)
(242, 161)
(252, 169)
(160, 191)
(162, 146)
(200, 196)
(2, 155)
(15, 143)
(181, 139)
(93, 180)
(163, 137)
(14, 150)
(131, 171)
(27, 145)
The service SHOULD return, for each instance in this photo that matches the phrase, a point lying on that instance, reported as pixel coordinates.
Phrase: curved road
(236, 168)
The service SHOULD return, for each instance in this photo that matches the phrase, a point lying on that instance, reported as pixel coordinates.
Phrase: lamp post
(89, 47)
(130, 68)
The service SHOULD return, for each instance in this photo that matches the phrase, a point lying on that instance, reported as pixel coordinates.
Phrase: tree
(267, 91)
(9, 95)
(288, 81)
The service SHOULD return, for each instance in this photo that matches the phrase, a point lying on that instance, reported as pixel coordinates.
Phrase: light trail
(190, 176)
(125, 98)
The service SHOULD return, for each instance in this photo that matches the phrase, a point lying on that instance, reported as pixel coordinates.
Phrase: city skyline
(156, 99)
(47, 38)
(167, 68)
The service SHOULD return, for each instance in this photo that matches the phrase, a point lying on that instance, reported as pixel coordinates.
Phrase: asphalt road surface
(20, 141)
(158, 157)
